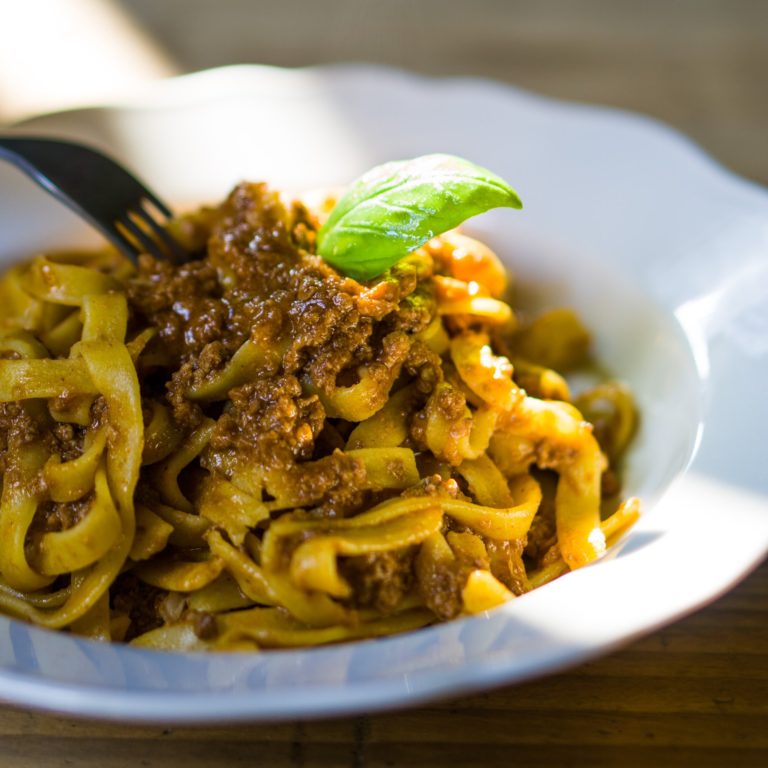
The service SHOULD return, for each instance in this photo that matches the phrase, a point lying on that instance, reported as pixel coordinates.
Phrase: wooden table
(693, 694)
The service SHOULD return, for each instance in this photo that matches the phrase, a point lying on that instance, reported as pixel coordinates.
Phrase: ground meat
(448, 403)
(17, 428)
(425, 365)
(379, 580)
(65, 515)
(139, 601)
(67, 440)
(181, 302)
(332, 485)
(313, 325)
(186, 413)
(436, 486)
(98, 412)
(543, 534)
(506, 564)
(271, 417)
(440, 589)
(51, 517)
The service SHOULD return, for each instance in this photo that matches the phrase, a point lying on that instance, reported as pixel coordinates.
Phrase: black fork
(100, 190)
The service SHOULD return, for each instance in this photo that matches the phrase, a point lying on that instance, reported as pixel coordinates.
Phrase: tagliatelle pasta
(252, 451)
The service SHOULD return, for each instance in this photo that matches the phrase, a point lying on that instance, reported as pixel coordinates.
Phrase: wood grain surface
(697, 64)
(692, 694)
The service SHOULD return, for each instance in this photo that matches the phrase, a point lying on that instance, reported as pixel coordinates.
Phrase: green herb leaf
(396, 207)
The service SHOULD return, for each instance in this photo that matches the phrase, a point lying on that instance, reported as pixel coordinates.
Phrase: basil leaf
(396, 207)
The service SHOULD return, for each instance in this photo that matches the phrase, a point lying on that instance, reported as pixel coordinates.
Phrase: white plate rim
(319, 701)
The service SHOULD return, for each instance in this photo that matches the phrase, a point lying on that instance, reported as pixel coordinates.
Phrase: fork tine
(175, 248)
(122, 242)
(158, 203)
(145, 242)
(77, 175)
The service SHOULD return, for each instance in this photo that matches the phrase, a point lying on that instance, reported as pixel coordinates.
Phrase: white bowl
(663, 253)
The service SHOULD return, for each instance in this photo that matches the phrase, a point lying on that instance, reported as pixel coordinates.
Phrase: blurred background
(697, 64)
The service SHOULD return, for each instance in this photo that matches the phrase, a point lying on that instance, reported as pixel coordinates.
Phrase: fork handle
(18, 150)
(56, 171)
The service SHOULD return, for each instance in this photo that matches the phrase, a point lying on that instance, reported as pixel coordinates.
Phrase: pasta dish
(252, 450)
